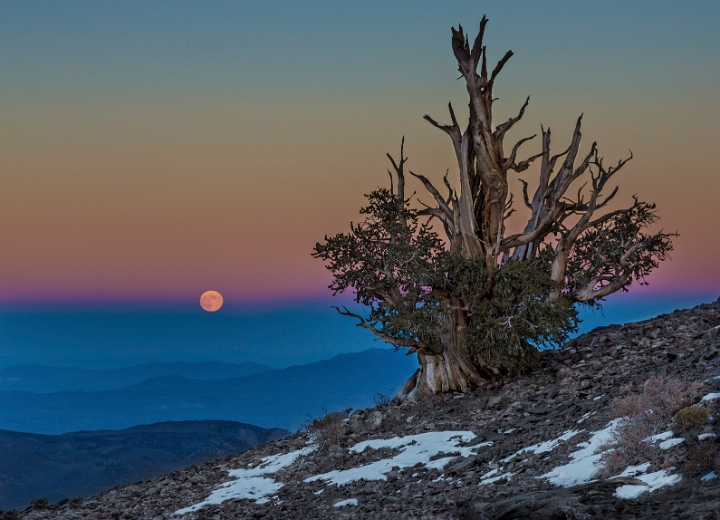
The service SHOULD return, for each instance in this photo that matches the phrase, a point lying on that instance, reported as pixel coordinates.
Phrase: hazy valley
(217, 409)
(271, 399)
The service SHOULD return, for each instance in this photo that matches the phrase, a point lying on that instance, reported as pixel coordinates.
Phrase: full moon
(211, 301)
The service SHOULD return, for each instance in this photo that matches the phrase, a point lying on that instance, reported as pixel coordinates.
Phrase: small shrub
(701, 458)
(382, 399)
(691, 419)
(327, 430)
(614, 461)
(643, 415)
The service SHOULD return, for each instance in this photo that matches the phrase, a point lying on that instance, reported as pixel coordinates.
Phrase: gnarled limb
(414, 344)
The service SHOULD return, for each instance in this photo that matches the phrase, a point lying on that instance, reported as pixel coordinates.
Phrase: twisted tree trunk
(448, 370)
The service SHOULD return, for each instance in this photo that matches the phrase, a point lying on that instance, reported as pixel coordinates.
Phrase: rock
(362, 421)
(494, 401)
(552, 392)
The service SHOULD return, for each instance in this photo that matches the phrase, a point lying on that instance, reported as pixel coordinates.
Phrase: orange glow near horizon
(116, 179)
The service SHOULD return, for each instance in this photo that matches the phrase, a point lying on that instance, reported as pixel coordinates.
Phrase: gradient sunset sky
(152, 150)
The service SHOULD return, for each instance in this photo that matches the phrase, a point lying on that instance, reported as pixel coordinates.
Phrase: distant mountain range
(268, 398)
(83, 463)
(36, 378)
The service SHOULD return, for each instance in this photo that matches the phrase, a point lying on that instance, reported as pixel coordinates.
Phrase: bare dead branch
(442, 204)
(399, 171)
(452, 130)
(502, 129)
(511, 160)
(477, 45)
(499, 67)
(524, 165)
(369, 326)
(526, 199)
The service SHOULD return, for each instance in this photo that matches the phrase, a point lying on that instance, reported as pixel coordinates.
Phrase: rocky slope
(527, 448)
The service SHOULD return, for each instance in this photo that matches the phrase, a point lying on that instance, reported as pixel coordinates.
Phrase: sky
(153, 150)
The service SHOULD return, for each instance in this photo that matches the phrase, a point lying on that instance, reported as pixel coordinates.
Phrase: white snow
(585, 464)
(709, 476)
(654, 481)
(490, 480)
(667, 440)
(598, 397)
(659, 437)
(633, 471)
(585, 461)
(585, 416)
(704, 436)
(490, 474)
(666, 445)
(544, 447)
(251, 483)
(348, 502)
(413, 449)
(711, 396)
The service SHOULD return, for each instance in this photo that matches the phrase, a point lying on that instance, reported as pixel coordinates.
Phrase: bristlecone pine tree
(476, 305)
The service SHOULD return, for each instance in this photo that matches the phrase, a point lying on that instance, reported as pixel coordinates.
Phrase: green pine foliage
(507, 325)
(402, 273)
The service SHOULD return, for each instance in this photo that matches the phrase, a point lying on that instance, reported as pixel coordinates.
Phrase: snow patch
(659, 437)
(490, 474)
(585, 461)
(709, 476)
(633, 471)
(654, 481)
(414, 449)
(667, 440)
(490, 480)
(544, 447)
(704, 436)
(348, 502)
(251, 483)
(711, 396)
(585, 416)
(666, 445)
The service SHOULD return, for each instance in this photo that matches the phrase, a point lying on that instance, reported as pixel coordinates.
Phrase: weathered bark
(449, 370)
(440, 373)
